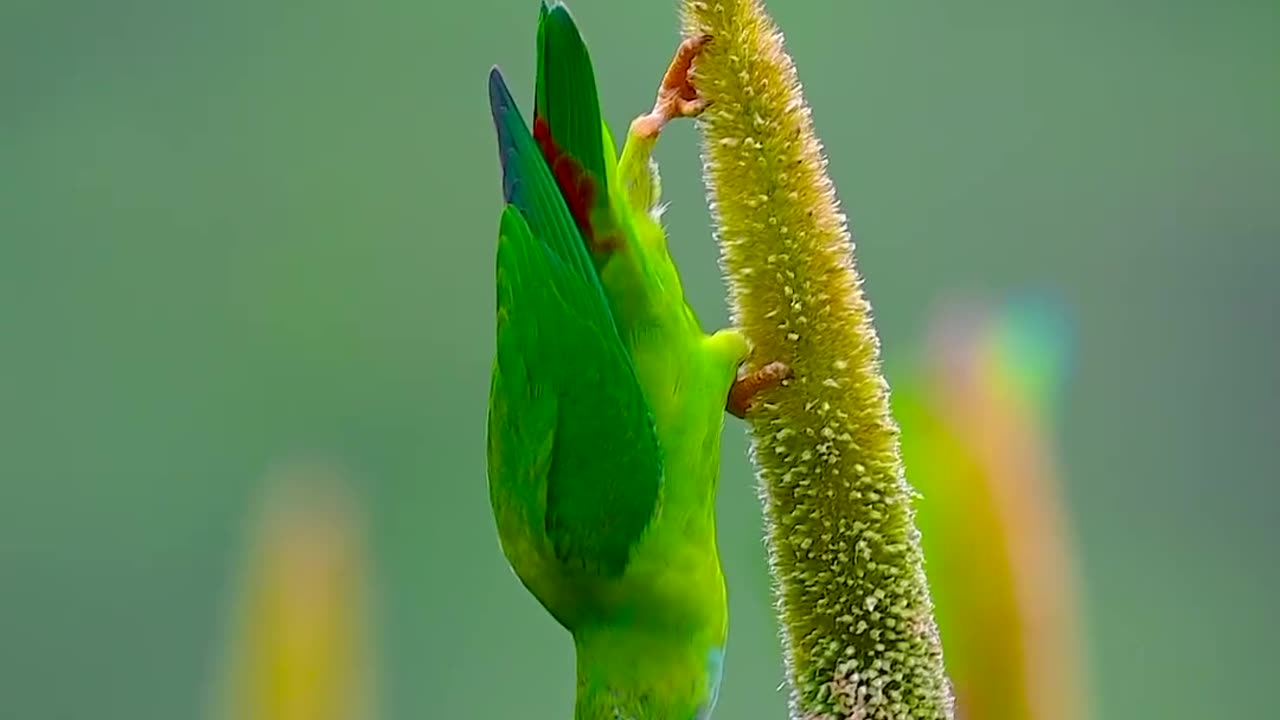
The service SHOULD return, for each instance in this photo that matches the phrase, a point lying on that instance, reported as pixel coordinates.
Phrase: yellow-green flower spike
(858, 630)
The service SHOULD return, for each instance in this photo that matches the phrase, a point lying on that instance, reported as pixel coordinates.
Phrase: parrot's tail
(567, 122)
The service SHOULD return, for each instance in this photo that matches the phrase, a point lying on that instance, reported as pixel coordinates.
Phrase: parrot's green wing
(571, 434)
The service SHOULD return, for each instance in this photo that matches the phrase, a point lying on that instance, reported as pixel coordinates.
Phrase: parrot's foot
(677, 96)
(746, 387)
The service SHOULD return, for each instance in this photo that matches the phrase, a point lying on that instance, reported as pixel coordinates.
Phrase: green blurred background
(231, 233)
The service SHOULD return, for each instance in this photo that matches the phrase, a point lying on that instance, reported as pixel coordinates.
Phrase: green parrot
(607, 398)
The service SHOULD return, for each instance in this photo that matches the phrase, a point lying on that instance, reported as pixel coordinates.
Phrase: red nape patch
(578, 188)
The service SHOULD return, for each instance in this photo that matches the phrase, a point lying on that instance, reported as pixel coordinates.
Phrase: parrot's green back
(604, 423)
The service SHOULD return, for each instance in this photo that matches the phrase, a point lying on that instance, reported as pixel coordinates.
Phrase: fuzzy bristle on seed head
(858, 631)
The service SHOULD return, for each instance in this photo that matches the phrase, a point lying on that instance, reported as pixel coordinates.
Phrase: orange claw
(677, 96)
(677, 88)
(746, 387)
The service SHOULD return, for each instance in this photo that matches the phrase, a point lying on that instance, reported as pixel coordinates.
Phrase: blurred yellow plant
(298, 642)
(976, 414)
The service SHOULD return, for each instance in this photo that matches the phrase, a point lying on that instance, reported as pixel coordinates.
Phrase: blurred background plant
(234, 230)
(298, 628)
(979, 407)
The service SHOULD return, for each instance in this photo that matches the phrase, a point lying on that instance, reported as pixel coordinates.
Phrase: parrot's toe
(677, 95)
(691, 108)
(747, 386)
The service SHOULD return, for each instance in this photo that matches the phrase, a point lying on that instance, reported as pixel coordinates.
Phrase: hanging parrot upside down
(607, 398)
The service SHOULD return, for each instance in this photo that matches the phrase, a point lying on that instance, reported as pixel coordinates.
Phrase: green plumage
(565, 95)
(606, 405)
(556, 334)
